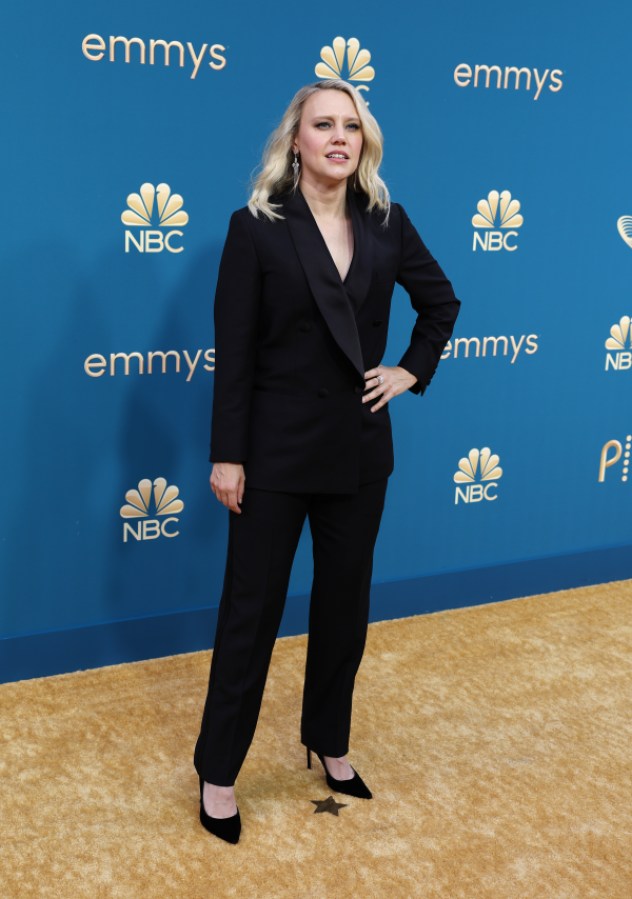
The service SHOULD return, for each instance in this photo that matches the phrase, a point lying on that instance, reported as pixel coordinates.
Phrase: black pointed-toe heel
(354, 787)
(227, 829)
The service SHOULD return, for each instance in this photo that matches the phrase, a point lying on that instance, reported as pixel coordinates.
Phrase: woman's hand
(228, 481)
(384, 383)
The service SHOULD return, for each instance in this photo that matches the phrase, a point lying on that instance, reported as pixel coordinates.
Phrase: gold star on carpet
(327, 805)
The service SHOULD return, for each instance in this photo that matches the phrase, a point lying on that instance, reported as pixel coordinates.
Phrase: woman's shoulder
(244, 221)
(253, 218)
(396, 212)
(241, 214)
(398, 218)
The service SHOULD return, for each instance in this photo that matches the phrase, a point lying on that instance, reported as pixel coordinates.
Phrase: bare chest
(338, 235)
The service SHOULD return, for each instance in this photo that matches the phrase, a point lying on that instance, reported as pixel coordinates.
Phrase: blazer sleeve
(237, 300)
(433, 300)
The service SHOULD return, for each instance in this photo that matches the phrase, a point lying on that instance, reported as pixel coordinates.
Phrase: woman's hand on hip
(228, 481)
(386, 382)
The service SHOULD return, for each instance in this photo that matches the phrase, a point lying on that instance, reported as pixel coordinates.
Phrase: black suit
(293, 342)
(291, 353)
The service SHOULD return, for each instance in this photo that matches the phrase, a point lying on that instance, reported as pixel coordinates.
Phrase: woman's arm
(432, 298)
(236, 315)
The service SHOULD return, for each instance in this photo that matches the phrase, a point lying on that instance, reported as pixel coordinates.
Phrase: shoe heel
(309, 758)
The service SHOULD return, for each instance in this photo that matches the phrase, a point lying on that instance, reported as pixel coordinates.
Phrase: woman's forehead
(330, 102)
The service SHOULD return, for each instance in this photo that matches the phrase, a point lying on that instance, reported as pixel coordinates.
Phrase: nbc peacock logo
(347, 60)
(498, 218)
(150, 510)
(159, 215)
(477, 477)
(619, 345)
(614, 452)
(624, 227)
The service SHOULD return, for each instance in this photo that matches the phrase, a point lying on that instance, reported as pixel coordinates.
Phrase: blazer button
(305, 327)
(323, 392)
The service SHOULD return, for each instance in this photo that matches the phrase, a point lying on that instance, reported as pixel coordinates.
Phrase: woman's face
(329, 138)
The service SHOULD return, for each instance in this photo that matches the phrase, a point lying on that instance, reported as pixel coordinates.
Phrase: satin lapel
(323, 278)
(359, 277)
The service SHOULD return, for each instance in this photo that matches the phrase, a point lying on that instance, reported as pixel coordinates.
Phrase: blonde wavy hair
(275, 174)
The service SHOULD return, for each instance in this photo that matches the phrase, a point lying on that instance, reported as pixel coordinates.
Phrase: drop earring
(296, 168)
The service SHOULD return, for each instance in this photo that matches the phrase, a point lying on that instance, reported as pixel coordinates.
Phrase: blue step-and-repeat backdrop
(130, 132)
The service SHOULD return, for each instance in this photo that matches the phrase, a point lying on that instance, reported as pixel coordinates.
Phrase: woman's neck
(325, 200)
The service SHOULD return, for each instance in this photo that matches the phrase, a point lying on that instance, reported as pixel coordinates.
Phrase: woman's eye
(351, 126)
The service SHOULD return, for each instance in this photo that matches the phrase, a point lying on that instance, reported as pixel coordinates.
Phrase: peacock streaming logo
(150, 511)
(619, 345)
(347, 60)
(159, 215)
(624, 227)
(477, 477)
(497, 220)
(615, 454)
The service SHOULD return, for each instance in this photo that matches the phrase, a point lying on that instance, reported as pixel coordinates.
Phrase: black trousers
(262, 543)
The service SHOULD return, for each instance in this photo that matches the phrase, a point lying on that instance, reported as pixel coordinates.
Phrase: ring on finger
(380, 379)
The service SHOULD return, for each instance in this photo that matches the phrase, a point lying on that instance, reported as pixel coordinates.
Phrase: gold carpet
(497, 741)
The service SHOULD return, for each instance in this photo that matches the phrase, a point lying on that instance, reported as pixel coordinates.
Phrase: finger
(228, 499)
(372, 373)
(376, 378)
(233, 500)
(223, 496)
(233, 505)
(379, 391)
(388, 395)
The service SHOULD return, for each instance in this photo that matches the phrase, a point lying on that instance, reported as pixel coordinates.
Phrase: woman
(300, 420)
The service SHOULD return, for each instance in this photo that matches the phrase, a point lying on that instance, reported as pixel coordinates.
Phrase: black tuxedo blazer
(293, 341)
